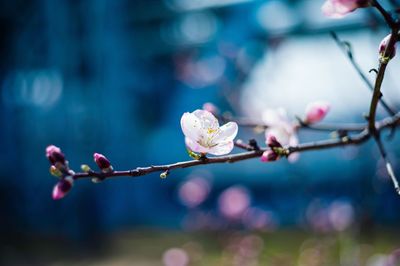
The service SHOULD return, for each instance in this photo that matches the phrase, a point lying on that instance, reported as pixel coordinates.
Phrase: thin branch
(345, 47)
(379, 79)
(350, 127)
(240, 144)
(388, 165)
(318, 145)
(386, 15)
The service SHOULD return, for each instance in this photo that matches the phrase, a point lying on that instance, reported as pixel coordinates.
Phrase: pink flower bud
(340, 8)
(316, 111)
(273, 142)
(62, 188)
(102, 162)
(383, 45)
(54, 154)
(269, 156)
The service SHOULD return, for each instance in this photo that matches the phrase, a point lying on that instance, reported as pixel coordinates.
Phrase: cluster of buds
(60, 169)
(276, 149)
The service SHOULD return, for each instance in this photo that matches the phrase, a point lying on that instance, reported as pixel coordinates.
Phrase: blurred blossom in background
(114, 77)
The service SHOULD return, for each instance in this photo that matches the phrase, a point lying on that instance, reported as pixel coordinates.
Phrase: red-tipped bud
(62, 188)
(273, 142)
(316, 111)
(54, 154)
(269, 156)
(102, 162)
(383, 45)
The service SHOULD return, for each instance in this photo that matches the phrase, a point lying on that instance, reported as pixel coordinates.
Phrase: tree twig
(350, 127)
(232, 158)
(386, 15)
(349, 54)
(388, 165)
(379, 79)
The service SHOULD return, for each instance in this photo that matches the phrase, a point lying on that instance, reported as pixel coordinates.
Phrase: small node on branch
(345, 139)
(164, 174)
(54, 171)
(253, 143)
(373, 70)
(85, 168)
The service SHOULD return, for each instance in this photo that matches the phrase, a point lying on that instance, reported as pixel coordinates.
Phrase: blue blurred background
(115, 77)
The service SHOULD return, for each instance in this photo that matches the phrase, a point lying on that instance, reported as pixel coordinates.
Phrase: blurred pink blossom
(340, 8)
(175, 257)
(316, 111)
(281, 128)
(317, 215)
(203, 133)
(194, 191)
(323, 217)
(259, 219)
(341, 215)
(233, 202)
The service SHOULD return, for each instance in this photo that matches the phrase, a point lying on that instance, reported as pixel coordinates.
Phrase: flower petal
(227, 132)
(222, 148)
(339, 8)
(191, 126)
(194, 146)
(294, 141)
(207, 119)
(273, 117)
(280, 133)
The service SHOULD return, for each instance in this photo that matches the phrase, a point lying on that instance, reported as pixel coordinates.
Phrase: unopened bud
(269, 156)
(54, 154)
(62, 187)
(383, 46)
(316, 111)
(102, 162)
(273, 142)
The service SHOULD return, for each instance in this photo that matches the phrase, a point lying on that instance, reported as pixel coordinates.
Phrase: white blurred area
(39, 88)
(305, 69)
